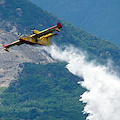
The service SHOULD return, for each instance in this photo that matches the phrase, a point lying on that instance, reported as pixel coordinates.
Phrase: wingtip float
(5, 48)
(38, 37)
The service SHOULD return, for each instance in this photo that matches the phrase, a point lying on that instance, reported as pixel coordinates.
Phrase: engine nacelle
(35, 31)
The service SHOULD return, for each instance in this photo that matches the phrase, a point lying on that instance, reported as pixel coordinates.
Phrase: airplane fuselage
(32, 41)
(44, 41)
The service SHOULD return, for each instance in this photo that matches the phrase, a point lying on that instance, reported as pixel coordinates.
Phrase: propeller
(32, 30)
(19, 34)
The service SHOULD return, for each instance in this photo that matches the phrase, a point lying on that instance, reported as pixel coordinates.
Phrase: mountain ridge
(101, 18)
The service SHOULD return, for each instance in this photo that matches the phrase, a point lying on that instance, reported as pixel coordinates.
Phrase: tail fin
(59, 25)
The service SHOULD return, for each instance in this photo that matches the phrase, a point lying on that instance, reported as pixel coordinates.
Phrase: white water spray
(103, 97)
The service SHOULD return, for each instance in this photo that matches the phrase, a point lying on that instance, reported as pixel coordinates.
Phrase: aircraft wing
(12, 44)
(47, 31)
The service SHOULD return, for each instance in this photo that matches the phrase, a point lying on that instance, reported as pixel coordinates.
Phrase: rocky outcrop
(10, 61)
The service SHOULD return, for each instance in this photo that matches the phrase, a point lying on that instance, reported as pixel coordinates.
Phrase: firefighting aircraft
(38, 37)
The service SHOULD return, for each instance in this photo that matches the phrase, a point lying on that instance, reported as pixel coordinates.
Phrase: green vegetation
(43, 92)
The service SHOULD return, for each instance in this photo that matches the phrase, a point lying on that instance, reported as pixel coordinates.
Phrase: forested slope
(43, 92)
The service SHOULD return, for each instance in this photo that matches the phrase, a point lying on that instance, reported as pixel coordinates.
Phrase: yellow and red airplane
(38, 37)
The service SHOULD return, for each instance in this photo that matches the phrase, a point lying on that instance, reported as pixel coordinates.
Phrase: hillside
(43, 94)
(38, 86)
(101, 18)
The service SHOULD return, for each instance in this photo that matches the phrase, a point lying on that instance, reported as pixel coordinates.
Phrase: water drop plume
(102, 83)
